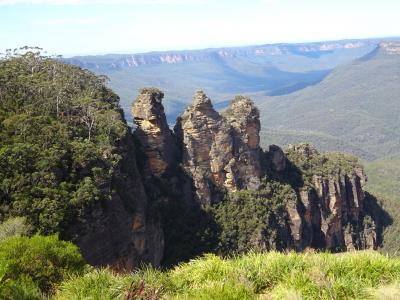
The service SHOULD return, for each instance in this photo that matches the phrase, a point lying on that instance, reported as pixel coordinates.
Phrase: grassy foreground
(360, 275)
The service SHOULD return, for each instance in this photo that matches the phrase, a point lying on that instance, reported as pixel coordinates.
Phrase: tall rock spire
(157, 140)
(196, 129)
(244, 119)
(221, 151)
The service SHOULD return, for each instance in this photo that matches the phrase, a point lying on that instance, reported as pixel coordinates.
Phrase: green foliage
(354, 109)
(273, 275)
(383, 181)
(95, 284)
(37, 262)
(87, 192)
(14, 227)
(59, 132)
(253, 219)
(22, 288)
(313, 163)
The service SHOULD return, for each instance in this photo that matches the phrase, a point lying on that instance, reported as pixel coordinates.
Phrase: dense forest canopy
(59, 127)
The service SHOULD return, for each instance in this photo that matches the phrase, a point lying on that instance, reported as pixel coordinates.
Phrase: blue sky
(70, 27)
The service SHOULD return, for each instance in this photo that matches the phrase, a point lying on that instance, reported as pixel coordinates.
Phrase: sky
(73, 27)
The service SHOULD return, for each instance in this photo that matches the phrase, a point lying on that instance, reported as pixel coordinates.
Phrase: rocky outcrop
(277, 158)
(118, 232)
(244, 119)
(209, 153)
(220, 151)
(196, 130)
(329, 213)
(157, 141)
(392, 48)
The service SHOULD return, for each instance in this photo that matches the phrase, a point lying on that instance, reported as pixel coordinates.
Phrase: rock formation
(119, 232)
(278, 159)
(329, 213)
(392, 48)
(220, 151)
(209, 153)
(246, 164)
(196, 130)
(153, 132)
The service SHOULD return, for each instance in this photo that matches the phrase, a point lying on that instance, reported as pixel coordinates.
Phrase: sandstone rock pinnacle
(221, 151)
(153, 132)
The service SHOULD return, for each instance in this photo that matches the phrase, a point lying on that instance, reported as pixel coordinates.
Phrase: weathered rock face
(119, 232)
(329, 214)
(244, 119)
(196, 130)
(153, 132)
(220, 151)
(277, 158)
(392, 48)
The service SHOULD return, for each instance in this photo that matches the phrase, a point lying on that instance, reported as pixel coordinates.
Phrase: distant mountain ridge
(357, 104)
(120, 61)
(255, 71)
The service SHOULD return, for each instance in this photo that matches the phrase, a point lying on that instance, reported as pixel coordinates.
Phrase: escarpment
(320, 197)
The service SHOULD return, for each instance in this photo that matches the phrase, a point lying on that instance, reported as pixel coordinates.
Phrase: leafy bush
(254, 219)
(14, 227)
(22, 288)
(44, 261)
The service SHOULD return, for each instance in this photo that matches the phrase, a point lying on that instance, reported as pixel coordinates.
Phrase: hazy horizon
(122, 52)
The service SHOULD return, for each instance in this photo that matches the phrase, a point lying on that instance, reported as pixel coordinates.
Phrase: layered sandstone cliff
(119, 232)
(153, 132)
(209, 154)
(329, 212)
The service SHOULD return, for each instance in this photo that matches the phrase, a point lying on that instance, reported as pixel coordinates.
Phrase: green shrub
(14, 227)
(95, 284)
(45, 260)
(272, 275)
(254, 219)
(22, 288)
(105, 284)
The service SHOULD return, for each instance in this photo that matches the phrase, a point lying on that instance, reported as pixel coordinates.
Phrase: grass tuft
(273, 275)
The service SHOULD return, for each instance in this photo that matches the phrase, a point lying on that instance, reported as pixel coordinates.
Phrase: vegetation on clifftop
(253, 219)
(59, 127)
